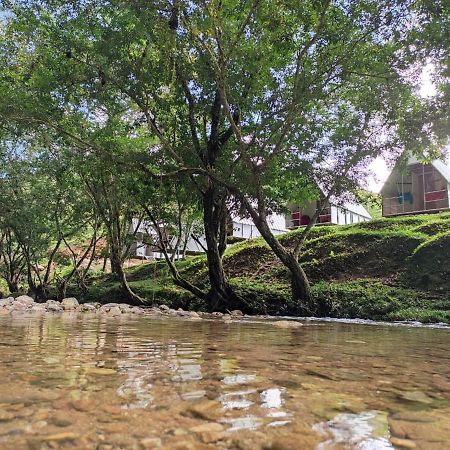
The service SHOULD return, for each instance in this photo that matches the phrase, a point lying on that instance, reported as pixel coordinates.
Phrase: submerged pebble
(208, 410)
(403, 443)
(416, 396)
(152, 381)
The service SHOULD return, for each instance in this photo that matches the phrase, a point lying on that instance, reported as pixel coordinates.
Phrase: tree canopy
(249, 105)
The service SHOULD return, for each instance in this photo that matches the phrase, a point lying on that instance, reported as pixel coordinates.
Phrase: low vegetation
(388, 269)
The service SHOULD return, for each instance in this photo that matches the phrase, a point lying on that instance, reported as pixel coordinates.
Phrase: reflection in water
(238, 379)
(136, 389)
(79, 381)
(247, 422)
(193, 395)
(236, 400)
(365, 431)
(271, 398)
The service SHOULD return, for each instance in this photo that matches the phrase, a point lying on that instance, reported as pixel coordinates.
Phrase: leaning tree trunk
(301, 291)
(115, 257)
(119, 272)
(131, 296)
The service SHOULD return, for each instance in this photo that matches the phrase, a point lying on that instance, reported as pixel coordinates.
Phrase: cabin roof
(442, 168)
(439, 165)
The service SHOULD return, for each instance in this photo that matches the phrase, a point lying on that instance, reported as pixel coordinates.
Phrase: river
(81, 381)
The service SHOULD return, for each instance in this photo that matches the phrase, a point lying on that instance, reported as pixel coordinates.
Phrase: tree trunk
(62, 289)
(33, 289)
(177, 278)
(12, 286)
(221, 295)
(301, 291)
(105, 260)
(131, 296)
(115, 252)
(114, 258)
(81, 274)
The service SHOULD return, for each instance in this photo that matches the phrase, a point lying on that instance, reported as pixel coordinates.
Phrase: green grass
(386, 269)
(373, 299)
(4, 291)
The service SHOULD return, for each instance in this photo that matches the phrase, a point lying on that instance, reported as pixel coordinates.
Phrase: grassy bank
(388, 269)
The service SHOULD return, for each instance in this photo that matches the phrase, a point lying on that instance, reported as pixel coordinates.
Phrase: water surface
(90, 382)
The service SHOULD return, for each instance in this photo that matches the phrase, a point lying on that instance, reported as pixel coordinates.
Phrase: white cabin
(246, 229)
(146, 247)
(333, 214)
(146, 241)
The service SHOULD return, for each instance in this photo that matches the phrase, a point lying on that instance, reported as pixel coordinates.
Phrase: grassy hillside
(387, 269)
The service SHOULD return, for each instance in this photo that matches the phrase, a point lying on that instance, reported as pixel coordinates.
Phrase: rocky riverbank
(71, 304)
(25, 303)
(387, 270)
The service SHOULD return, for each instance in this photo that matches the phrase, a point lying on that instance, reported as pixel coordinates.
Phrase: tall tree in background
(83, 86)
(43, 207)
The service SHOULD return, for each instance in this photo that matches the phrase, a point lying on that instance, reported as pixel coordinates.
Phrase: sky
(379, 168)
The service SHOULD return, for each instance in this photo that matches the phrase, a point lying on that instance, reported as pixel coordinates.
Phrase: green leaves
(262, 96)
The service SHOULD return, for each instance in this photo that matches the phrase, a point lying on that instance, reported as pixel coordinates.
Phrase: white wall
(140, 249)
(193, 246)
(342, 216)
(249, 231)
(334, 214)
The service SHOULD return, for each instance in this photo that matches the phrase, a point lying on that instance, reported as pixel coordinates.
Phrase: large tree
(320, 89)
(81, 70)
(258, 100)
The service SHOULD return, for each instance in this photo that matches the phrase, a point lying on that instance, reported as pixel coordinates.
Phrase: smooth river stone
(287, 324)
(53, 305)
(6, 415)
(208, 410)
(25, 299)
(403, 443)
(209, 432)
(70, 303)
(150, 443)
(64, 436)
(99, 371)
(115, 311)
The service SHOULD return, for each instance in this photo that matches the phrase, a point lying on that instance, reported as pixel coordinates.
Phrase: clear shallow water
(89, 382)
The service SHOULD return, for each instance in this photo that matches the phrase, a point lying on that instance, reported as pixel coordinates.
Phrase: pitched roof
(439, 165)
(442, 168)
